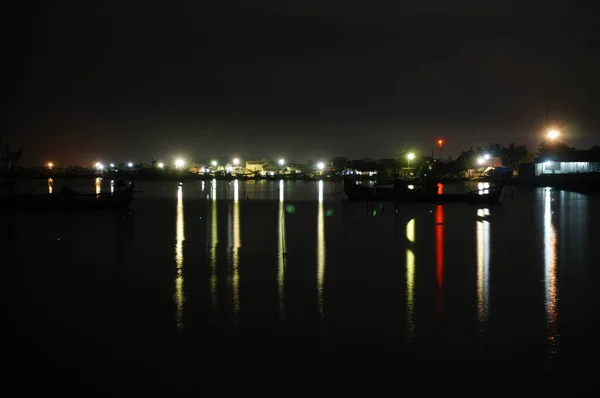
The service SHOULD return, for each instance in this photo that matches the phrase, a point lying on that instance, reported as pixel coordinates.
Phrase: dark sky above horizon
(120, 80)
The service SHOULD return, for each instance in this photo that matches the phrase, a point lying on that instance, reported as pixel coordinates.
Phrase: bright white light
(112, 165)
(320, 165)
(228, 168)
(410, 156)
(130, 164)
(179, 163)
(236, 162)
(553, 134)
(202, 170)
(99, 166)
(486, 156)
(548, 163)
(281, 162)
(480, 161)
(411, 187)
(161, 165)
(214, 163)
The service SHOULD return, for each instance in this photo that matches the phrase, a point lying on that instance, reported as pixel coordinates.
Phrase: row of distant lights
(179, 163)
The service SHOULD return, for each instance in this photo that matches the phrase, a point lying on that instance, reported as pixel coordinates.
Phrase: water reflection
(214, 241)
(550, 264)
(179, 238)
(281, 254)
(320, 253)
(235, 246)
(439, 258)
(482, 228)
(97, 184)
(50, 185)
(112, 186)
(410, 282)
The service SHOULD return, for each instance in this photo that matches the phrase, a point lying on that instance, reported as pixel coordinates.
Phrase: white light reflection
(214, 241)
(550, 264)
(112, 186)
(235, 255)
(410, 282)
(321, 253)
(179, 238)
(281, 254)
(482, 228)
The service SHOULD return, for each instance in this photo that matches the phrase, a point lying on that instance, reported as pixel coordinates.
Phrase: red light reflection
(440, 188)
(439, 244)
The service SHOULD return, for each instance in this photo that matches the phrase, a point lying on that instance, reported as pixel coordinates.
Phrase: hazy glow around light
(112, 165)
(486, 156)
(161, 165)
(214, 163)
(130, 164)
(50, 165)
(410, 156)
(553, 134)
(236, 162)
(179, 163)
(320, 165)
(99, 166)
(281, 162)
(480, 161)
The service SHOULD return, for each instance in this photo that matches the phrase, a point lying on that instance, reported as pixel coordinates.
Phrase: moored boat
(69, 200)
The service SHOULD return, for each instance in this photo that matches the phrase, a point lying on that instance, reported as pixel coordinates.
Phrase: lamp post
(409, 157)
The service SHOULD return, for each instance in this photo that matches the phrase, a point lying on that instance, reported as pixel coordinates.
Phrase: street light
(130, 164)
(281, 162)
(161, 165)
(480, 161)
(50, 165)
(410, 156)
(486, 156)
(99, 166)
(553, 134)
(179, 163)
(320, 165)
(236, 162)
(214, 163)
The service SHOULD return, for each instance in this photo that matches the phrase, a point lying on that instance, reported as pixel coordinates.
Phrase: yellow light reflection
(281, 254)
(482, 228)
(50, 185)
(410, 282)
(97, 182)
(550, 264)
(321, 253)
(214, 241)
(235, 256)
(179, 238)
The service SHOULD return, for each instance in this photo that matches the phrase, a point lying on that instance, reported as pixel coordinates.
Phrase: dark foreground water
(201, 290)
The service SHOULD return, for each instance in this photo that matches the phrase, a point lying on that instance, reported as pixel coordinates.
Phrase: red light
(440, 142)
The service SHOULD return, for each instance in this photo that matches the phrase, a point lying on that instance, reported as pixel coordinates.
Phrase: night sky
(120, 80)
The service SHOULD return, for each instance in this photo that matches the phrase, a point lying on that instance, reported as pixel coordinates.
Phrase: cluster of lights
(483, 159)
(180, 163)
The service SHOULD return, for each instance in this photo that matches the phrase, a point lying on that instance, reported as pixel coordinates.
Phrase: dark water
(201, 290)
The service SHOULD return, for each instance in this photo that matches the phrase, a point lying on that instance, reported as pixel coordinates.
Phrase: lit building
(255, 166)
(569, 162)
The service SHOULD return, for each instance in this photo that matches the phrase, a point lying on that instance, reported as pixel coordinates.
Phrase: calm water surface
(278, 286)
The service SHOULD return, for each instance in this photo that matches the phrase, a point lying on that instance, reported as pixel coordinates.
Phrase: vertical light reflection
(321, 253)
(112, 186)
(179, 238)
(482, 228)
(235, 255)
(439, 258)
(550, 264)
(281, 254)
(214, 241)
(50, 185)
(97, 182)
(410, 282)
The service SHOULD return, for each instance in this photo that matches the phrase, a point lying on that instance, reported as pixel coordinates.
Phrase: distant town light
(179, 163)
(214, 163)
(320, 165)
(440, 142)
(50, 165)
(99, 166)
(281, 162)
(130, 164)
(486, 156)
(236, 162)
(553, 134)
(112, 165)
(410, 156)
(161, 165)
